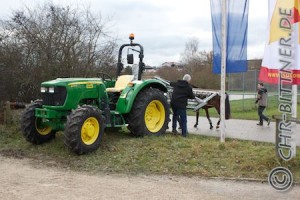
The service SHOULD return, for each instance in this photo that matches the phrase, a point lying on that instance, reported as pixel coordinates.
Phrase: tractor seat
(121, 83)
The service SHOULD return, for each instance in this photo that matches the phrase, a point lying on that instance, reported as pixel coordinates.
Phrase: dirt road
(27, 180)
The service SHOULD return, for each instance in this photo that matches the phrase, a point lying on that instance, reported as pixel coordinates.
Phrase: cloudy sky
(162, 26)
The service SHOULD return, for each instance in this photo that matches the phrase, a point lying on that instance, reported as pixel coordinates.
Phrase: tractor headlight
(51, 90)
(43, 89)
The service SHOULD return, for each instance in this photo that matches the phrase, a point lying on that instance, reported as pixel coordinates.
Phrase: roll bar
(120, 66)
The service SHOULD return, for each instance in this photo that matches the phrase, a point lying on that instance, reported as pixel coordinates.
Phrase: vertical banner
(237, 29)
(281, 66)
(282, 48)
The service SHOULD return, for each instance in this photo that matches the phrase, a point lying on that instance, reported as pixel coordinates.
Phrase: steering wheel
(104, 76)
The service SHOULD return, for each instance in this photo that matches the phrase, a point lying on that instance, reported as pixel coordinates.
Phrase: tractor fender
(130, 93)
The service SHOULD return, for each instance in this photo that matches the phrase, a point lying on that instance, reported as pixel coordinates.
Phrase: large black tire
(84, 129)
(149, 114)
(32, 127)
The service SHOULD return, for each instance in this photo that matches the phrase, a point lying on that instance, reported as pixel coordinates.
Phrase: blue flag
(237, 28)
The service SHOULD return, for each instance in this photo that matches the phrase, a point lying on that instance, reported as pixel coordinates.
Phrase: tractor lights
(51, 90)
(131, 36)
(43, 89)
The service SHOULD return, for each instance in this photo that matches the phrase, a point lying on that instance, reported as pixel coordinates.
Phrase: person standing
(182, 91)
(262, 103)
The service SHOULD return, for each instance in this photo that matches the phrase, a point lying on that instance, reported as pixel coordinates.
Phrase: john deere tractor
(83, 107)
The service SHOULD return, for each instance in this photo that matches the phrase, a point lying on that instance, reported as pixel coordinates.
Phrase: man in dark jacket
(262, 103)
(182, 91)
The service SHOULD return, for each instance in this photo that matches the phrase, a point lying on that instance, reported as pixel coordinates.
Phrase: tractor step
(116, 120)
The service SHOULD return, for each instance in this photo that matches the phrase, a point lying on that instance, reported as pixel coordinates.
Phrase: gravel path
(23, 179)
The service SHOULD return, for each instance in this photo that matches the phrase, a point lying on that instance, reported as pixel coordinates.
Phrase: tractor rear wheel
(33, 128)
(84, 129)
(149, 114)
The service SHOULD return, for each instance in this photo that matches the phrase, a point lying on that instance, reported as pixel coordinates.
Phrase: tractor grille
(55, 99)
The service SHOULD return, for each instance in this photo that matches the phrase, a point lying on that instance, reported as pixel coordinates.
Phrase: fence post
(8, 118)
(1, 112)
(278, 132)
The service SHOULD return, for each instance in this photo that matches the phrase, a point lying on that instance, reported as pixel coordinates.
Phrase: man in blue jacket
(182, 91)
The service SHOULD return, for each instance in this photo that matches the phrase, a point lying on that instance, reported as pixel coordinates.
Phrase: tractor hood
(72, 81)
(68, 93)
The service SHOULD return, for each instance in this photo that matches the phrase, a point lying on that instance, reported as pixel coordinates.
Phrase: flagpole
(295, 86)
(294, 108)
(223, 68)
(294, 100)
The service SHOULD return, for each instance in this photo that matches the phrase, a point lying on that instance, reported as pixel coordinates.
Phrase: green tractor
(84, 107)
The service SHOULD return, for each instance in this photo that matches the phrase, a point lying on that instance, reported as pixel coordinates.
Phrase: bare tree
(199, 65)
(191, 50)
(51, 41)
(191, 57)
(169, 73)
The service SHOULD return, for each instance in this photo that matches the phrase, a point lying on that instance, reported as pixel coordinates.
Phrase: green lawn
(172, 155)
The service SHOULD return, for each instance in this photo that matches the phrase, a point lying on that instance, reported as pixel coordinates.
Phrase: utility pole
(223, 68)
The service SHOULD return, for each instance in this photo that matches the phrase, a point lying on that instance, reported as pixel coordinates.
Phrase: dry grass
(168, 154)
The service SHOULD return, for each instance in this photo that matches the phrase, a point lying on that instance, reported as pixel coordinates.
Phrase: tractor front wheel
(149, 114)
(84, 129)
(33, 128)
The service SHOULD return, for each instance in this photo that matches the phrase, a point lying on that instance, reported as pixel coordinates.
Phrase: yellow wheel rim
(41, 129)
(155, 116)
(90, 130)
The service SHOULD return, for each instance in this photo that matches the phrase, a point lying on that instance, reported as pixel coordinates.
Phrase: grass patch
(168, 154)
